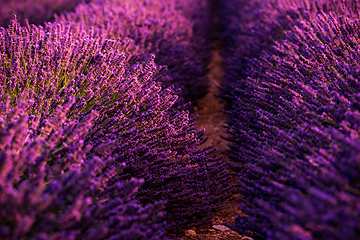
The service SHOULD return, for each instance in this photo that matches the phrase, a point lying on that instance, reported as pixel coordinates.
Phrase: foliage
(289, 127)
(168, 29)
(136, 122)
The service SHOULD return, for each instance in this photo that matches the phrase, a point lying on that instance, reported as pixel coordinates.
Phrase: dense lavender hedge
(250, 27)
(35, 11)
(52, 187)
(172, 30)
(295, 134)
(136, 123)
(323, 201)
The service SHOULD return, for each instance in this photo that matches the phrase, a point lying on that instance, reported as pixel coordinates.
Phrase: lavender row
(35, 11)
(295, 130)
(250, 27)
(93, 98)
(52, 187)
(176, 32)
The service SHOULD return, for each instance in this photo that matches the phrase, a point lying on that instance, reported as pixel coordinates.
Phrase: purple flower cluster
(84, 124)
(171, 30)
(295, 133)
(35, 11)
(53, 187)
(250, 27)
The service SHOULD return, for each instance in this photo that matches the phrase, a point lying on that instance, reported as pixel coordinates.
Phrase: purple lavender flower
(250, 27)
(35, 11)
(289, 127)
(169, 29)
(52, 187)
(136, 121)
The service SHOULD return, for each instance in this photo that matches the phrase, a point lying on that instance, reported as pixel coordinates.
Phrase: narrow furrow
(210, 109)
(212, 118)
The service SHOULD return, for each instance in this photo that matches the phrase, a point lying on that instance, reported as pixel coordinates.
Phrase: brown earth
(212, 118)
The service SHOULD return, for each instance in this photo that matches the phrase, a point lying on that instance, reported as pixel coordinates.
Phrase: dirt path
(210, 109)
(212, 118)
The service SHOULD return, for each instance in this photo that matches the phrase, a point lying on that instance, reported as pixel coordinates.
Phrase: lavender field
(100, 135)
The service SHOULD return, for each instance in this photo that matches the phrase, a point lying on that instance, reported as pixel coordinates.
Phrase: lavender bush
(250, 27)
(324, 203)
(36, 11)
(304, 88)
(137, 122)
(169, 29)
(53, 187)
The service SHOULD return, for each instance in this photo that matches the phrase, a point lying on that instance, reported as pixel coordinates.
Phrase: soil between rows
(212, 118)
